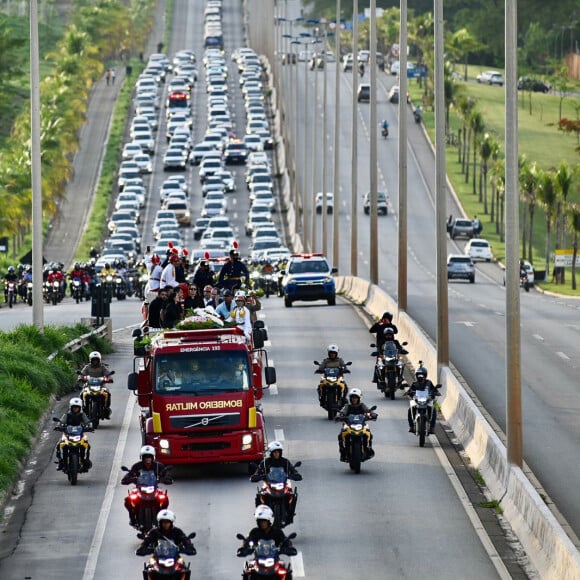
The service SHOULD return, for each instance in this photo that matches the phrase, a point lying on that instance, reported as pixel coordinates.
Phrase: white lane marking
(279, 434)
(466, 322)
(273, 390)
(99, 534)
(470, 511)
(538, 337)
(563, 356)
(297, 566)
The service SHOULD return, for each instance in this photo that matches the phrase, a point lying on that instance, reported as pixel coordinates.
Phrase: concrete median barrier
(548, 548)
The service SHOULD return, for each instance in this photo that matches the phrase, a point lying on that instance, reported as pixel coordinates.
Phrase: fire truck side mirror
(270, 373)
(132, 381)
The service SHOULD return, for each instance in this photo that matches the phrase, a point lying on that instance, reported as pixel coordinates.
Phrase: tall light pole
(374, 238)
(513, 336)
(402, 185)
(325, 146)
(37, 301)
(315, 152)
(336, 172)
(354, 147)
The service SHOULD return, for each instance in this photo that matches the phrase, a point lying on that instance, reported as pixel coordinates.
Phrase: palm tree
(529, 181)
(564, 178)
(459, 45)
(495, 150)
(573, 211)
(485, 150)
(548, 199)
(464, 107)
(498, 180)
(477, 127)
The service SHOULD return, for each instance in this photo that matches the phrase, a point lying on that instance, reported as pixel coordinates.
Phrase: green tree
(563, 182)
(535, 49)
(459, 45)
(529, 182)
(573, 213)
(548, 199)
(477, 127)
(485, 151)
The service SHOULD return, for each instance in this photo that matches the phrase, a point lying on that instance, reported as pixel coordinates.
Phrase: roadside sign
(563, 258)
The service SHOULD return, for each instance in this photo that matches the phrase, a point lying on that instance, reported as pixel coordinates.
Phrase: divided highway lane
(382, 515)
(550, 333)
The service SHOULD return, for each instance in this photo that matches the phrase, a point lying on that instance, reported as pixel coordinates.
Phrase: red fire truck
(198, 392)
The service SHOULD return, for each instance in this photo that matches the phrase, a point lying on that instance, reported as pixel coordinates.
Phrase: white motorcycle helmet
(95, 354)
(75, 402)
(166, 515)
(275, 446)
(332, 348)
(147, 450)
(263, 512)
(355, 393)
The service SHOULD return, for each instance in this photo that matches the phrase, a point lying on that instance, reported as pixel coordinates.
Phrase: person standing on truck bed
(241, 315)
(232, 273)
(224, 309)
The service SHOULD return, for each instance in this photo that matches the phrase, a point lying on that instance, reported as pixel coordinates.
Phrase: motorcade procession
(239, 394)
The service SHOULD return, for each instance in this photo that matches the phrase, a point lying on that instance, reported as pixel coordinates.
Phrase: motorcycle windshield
(332, 373)
(277, 475)
(356, 419)
(390, 349)
(266, 549)
(147, 479)
(95, 381)
(422, 396)
(74, 430)
(166, 550)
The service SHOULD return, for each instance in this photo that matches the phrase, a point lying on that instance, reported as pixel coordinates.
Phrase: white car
(490, 77)
(320, 202)
(478, 249)
(130, 150)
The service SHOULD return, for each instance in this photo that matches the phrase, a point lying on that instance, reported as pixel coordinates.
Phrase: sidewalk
(66, 230)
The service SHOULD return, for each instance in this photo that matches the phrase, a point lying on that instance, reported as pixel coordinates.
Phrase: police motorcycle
(74, 449)
(356, 437)
(332, 388)
(94, 393)
(422, 406)
(266, 562)
(166, 562)
(277, 492)
(389, 369)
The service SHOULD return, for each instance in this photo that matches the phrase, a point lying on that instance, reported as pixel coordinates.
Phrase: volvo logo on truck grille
(197, 421)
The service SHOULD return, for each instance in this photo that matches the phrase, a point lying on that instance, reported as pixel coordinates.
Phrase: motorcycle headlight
(356, 427)
(422, 400)
(75, 438)
(148, 489)
(167, 562)
(277, 486)
(266, 562)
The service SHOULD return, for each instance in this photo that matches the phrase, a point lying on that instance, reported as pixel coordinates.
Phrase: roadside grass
(28, 380)
(539, 141)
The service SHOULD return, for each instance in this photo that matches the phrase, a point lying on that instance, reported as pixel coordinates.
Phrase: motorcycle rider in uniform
(97, 368)
(332, 361)
(378, 328)
(166, 530)
(75, 417)
(354, 407)
(147, 463)
(422, 383)
(265, 530)
(275, 459)
(11, 276)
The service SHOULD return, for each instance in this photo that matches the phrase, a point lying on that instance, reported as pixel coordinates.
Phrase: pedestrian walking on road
(108, 76)
(113, 76)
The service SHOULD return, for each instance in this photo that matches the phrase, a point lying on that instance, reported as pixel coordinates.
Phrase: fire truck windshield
(202, 373)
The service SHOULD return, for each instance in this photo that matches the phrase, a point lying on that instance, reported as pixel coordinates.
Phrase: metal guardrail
(83, 340)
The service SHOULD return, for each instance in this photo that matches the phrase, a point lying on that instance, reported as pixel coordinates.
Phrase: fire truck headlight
(164, 446)
(246, 442)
